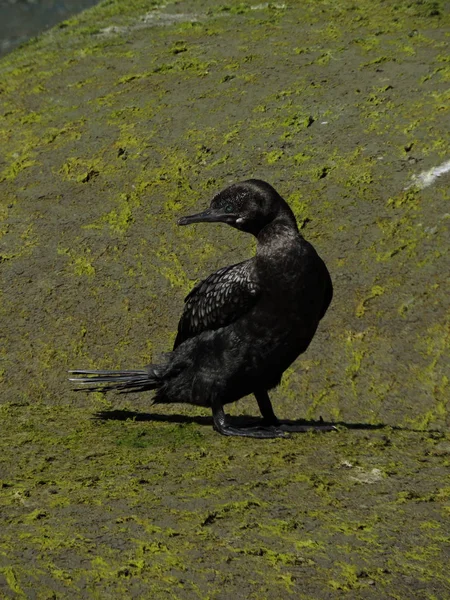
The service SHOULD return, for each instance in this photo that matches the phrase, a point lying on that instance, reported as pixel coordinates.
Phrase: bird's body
(245, 324)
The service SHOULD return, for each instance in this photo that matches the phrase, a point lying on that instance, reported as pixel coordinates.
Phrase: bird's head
(248, 206)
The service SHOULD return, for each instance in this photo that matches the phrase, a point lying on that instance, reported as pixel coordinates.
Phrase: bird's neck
(283, 224)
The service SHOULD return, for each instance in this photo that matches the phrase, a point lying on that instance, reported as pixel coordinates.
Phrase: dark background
(23, 19)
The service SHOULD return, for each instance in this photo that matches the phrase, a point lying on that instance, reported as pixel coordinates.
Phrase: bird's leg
(272, 427)
(265, 406)
(222, 426)
(270, 419)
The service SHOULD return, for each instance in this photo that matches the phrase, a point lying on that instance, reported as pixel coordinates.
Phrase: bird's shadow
(236, 421)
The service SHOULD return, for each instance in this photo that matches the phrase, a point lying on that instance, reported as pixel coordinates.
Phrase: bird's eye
(228, 208)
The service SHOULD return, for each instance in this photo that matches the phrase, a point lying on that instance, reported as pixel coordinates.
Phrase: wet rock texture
(115, 124)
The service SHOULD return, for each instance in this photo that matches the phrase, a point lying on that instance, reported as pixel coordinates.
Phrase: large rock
(112, 126)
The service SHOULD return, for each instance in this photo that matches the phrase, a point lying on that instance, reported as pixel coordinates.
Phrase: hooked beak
(207, 216)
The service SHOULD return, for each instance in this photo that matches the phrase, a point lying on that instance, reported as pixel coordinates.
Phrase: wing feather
(219, 300)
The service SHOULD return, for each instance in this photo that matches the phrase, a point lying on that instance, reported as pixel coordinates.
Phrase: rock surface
(115, 124)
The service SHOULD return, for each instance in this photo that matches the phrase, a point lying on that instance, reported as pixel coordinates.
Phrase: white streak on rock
(427, 178)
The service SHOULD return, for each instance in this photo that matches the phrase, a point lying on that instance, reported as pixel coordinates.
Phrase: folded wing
(219, 300)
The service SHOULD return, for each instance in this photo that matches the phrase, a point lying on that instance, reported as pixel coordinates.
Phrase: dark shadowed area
(111, 128)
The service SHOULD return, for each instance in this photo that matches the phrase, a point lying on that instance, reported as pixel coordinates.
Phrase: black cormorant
(245, 324)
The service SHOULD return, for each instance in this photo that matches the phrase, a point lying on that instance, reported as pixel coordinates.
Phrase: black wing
(218, 300)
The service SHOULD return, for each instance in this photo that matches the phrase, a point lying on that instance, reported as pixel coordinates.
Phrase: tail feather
(134, 380)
